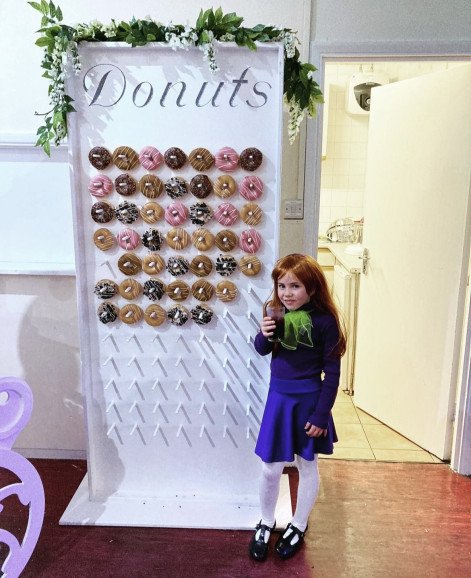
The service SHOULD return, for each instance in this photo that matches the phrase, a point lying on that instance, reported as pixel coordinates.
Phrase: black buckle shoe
(258, 547)
(283, 546)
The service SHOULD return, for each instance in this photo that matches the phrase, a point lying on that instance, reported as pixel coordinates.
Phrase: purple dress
(298, 395)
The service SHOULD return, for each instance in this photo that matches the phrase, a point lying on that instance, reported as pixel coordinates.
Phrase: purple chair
(16, 404)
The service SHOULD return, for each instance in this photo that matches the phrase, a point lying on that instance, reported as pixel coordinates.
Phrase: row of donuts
(131, 264)
(201, 159)
(201, 186)
(178, 239)
(177, 213)
(154, 289)
(154, 314)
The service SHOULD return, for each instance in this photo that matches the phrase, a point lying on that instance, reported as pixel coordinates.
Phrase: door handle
(365, 257)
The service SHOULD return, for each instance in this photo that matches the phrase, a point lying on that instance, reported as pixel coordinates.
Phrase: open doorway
(342, 173)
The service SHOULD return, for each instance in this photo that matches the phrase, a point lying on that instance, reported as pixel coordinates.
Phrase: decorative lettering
(106, 85)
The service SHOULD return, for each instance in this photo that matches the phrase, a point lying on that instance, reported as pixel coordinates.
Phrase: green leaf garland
(59, 41)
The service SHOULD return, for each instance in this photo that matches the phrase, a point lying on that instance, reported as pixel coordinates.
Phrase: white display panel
(173, 411)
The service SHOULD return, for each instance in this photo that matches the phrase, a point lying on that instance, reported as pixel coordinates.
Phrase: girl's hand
(314, 432)
(267, 326)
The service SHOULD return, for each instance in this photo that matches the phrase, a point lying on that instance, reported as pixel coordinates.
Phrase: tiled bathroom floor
(362, 437)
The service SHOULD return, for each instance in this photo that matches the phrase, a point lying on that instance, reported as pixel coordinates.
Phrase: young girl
(297, 423)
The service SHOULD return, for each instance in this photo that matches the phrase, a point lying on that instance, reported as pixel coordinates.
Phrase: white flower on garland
(208, 51)
(296, 116)
(177, 39)
(109, 30)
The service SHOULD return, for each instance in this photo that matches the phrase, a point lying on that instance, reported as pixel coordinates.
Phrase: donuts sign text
(106, 84)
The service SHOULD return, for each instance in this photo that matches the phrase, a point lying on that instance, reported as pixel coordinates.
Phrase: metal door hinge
(365, 257)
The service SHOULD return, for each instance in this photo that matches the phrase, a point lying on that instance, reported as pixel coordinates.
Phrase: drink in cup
(277, 313)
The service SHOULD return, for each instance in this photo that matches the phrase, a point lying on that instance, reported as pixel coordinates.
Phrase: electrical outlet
(293, 210)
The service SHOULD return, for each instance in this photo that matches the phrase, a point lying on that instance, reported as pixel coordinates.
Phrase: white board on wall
(173, 412)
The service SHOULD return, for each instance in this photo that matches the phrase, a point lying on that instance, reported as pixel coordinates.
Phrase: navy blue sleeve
(262, 345)
(331, 369)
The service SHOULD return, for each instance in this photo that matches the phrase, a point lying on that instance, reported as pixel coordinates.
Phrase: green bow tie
(298, 325)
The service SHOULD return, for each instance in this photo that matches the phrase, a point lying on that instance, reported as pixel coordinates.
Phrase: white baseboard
(51, 454)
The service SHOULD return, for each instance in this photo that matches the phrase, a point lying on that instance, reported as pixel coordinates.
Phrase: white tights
(308, 489)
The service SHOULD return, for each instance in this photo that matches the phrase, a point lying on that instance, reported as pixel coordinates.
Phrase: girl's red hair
(309, 272)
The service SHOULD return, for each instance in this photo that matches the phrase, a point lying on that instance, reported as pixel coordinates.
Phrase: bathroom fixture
(358, 94)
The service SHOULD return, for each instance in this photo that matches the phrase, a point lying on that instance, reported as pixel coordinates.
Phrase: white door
(417, 219)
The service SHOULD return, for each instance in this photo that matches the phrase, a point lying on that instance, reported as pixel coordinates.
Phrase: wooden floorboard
(372, 519)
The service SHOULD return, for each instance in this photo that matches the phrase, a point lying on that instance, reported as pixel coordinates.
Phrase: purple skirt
(282, 433)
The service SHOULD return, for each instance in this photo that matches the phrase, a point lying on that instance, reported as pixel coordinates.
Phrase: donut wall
(175, 178)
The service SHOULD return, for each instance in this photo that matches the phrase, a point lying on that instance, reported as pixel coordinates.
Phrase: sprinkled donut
(100, 186)
(251, 188)
(226, 214)
(125, 185)
(226, 291)
(201, 266)
(151, 212)
(225, 265)
(152, 239)
(105, 289)
(176, 213)
(177, 238)
(128, 239)
(154, 315)
(154, 289)
(201, 314)
(201, 159)
(152, 264)
(201, 186)
(151, 186)
(129, 264)
(176, 187)
(127, 212)
(130, 289)
(177, 266)
(250, 241)
(130, 314)
(150, 158)
(202, 290)
(175, 158)
(102, 212)
(251, 214)
(250, 159)
(200, 213)
(178, 315)
(225, 186)
(125, 158)
(99, 157)
(226, 240)
(202, 239)
(250, 265)
(177, 290)
(107, 312)
(226, 159)
(104, 239)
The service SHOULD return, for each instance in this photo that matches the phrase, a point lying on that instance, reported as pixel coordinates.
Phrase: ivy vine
(60, 42)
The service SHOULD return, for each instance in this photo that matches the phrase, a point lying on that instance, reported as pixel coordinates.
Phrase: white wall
(369, 20)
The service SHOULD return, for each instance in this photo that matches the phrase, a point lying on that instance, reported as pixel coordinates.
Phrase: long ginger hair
(308, 271)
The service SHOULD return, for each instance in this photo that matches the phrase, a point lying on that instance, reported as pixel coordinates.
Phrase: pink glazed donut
(251, 188)
(100, 186)
(176, 214)
(150, 158)
(226, 214)
(226, 159)
(128, 239)
(250, 241)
